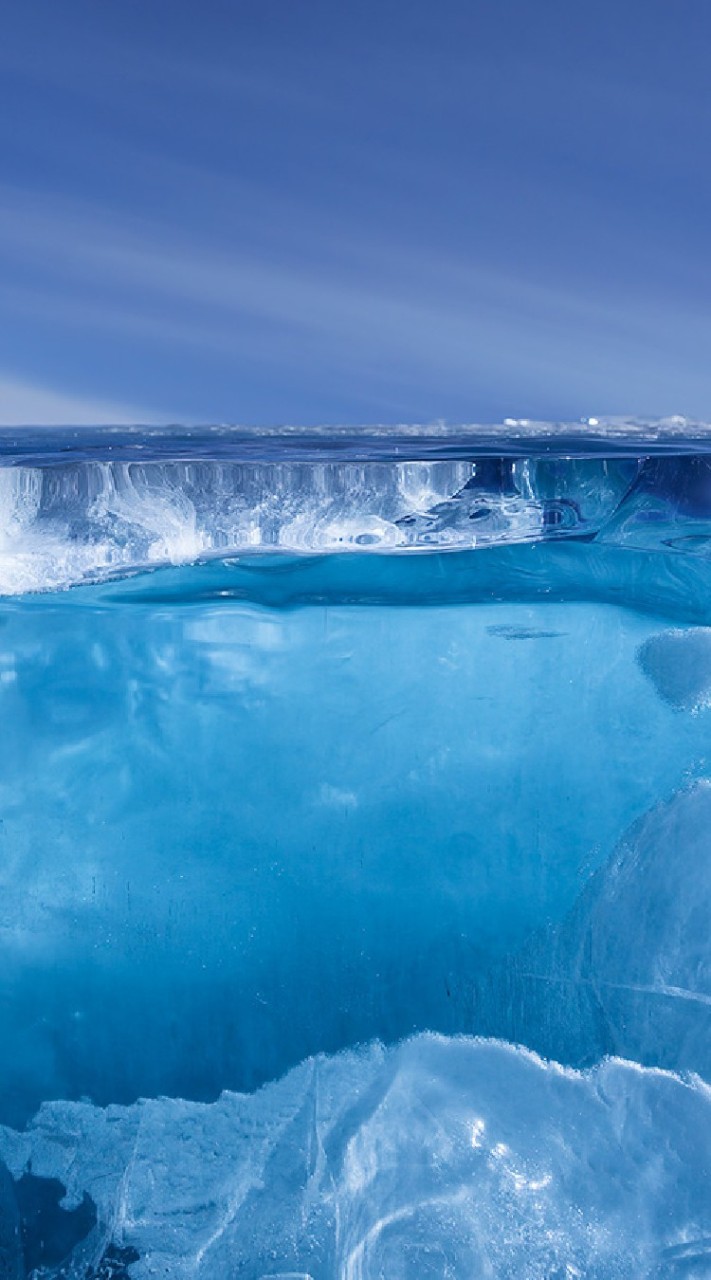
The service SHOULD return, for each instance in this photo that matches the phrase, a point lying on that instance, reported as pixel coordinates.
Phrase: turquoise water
(307, 824)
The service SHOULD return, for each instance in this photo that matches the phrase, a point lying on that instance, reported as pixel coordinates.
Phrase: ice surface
(606, 437)
(438, 1158)
(92, 518)
(668, 508)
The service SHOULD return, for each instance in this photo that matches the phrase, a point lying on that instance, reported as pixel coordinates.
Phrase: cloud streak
(373, 307)
(381, 213)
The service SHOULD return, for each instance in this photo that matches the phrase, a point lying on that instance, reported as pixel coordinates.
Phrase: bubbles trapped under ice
(284, 837)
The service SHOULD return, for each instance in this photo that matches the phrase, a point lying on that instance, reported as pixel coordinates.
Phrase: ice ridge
(88, 519)
(441, 1157)
(85, 520)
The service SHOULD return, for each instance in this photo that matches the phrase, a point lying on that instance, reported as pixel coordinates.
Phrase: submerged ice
(628, 971)
(279, 835)
(437, 1158)
(91, 519)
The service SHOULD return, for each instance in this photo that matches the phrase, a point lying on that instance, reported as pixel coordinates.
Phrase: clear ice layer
(89, 520)
(282, 832)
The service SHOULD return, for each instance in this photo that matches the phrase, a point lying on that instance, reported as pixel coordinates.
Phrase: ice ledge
(85, 518)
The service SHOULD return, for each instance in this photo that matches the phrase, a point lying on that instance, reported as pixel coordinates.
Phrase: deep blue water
(415, 753)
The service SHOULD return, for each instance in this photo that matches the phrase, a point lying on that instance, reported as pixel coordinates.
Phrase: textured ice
(667, 509)
(91, 519)
(119, 508)
(441, 1158)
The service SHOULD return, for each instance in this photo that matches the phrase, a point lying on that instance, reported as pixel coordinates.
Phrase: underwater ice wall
(280, 833)
(70, 522)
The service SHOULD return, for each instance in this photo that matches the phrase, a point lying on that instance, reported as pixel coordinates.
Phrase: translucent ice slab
(87, 507)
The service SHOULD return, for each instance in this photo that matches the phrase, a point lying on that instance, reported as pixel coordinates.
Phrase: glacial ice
(91, 519)
(441, 1157)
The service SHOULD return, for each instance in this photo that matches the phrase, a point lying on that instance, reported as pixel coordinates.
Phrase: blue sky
(297, 211)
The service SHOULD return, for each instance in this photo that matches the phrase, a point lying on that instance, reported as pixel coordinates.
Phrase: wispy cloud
(307, 220)
(355, 305)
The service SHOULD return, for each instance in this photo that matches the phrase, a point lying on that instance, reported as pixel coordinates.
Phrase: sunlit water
(283, 831)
